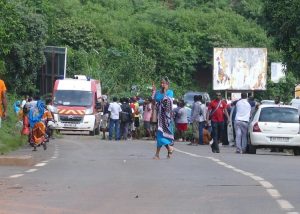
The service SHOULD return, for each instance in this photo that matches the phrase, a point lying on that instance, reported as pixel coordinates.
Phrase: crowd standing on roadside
(158, 117)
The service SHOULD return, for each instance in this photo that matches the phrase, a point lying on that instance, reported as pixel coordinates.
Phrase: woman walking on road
(165, 134)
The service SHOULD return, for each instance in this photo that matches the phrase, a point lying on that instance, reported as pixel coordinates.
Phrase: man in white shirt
(114, 122)
(242, 118)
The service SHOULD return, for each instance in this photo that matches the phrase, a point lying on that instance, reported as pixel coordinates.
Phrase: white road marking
(32, 170)
(285, 205)
(274, 193)
(257, 178)
(239, 170)
(43, 163)
(190, 154)
(40, 164)
(266, 184)
(247, 174)
(230, 167)
(221, 163)
(16, 176)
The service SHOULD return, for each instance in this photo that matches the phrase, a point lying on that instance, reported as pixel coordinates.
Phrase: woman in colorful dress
(165, 133)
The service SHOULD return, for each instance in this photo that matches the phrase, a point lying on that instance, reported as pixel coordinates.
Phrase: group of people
(28, 109)
(122, 118)
(36, 120)
(161, 116)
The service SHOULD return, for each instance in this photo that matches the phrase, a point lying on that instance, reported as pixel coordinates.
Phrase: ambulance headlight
(54, 110)
(89, 110)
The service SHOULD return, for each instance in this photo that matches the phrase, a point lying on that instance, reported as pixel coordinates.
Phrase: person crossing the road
(165, 133)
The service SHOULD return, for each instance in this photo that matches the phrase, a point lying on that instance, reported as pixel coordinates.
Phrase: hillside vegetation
(135, 42)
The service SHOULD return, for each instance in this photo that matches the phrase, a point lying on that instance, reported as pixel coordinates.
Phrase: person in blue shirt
(165, 132)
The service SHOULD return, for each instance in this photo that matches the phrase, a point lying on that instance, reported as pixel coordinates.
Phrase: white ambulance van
(76, 104)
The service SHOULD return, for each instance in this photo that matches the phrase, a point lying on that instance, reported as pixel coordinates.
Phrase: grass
(10, 137)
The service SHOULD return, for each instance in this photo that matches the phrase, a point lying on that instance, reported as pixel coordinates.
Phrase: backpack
(124, 116)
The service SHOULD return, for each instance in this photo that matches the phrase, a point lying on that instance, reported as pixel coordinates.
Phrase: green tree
(282, 22)
(25, 56)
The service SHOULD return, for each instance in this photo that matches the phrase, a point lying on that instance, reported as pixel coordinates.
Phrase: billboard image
(277, 71)
(240, 69)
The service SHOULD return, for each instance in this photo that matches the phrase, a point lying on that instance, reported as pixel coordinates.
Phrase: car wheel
(296, 151)
(251, 148)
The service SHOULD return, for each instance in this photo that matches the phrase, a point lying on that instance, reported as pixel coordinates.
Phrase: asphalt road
(82, 174)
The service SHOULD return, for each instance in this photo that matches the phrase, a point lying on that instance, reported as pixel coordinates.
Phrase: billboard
(55, 66)
(240, 69)
(277, 71)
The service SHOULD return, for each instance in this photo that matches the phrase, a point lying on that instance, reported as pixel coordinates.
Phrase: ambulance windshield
(73, 98)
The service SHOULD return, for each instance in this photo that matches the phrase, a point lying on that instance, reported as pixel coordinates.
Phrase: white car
(269, 102)
(274, 126)
(230, 127)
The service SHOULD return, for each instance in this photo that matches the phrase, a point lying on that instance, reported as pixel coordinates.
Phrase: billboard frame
(240, 90)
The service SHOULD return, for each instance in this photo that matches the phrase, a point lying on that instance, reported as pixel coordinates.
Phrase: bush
(11, 138)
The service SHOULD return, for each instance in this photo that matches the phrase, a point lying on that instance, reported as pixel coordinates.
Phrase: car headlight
(89, 110)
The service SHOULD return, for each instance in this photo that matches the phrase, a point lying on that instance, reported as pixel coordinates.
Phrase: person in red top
(216, 111)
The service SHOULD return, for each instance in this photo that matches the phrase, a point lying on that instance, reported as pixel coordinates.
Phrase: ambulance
(76, 106)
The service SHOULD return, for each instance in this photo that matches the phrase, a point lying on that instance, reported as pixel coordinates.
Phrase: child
(206, 136)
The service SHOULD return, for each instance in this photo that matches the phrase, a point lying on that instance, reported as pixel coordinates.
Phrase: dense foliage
(283, 18)
(129, 43)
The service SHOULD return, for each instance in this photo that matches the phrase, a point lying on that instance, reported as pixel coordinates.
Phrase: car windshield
(282, 115)
(73, 98)
(189, 98)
